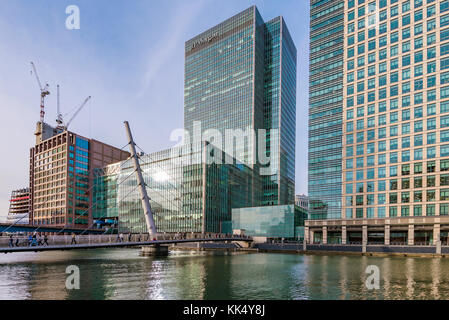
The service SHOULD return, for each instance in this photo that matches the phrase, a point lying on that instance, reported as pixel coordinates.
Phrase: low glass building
(285, 221)
(104, 195)
(192, 188)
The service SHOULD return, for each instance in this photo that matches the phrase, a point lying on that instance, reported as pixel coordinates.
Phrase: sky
(129, 56)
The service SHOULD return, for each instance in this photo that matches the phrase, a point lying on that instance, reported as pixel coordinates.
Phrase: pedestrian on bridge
(73, 239)
(130, 237)
(11, 242)
(39, 241)
(45, 240)
(34, 240)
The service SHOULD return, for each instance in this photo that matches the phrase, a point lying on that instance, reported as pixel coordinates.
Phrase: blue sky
(129, 56)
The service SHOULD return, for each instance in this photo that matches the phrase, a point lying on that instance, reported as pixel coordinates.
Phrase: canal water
(124, 274)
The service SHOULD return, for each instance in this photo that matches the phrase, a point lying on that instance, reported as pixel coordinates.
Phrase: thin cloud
(184, 16)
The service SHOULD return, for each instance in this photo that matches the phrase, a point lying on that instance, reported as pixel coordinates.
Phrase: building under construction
(61, 166)
(19, 207)
(61, 169)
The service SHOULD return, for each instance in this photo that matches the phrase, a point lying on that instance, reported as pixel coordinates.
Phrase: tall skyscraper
(240, 75)
(379, 121)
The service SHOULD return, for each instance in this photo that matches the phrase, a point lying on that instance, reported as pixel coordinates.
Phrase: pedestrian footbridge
(94, 245)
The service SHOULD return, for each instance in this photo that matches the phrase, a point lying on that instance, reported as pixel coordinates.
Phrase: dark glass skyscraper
(240, 75)
(326, 108)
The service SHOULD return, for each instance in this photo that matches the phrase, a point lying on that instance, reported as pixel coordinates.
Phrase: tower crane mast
(44, 92)
(59, 119)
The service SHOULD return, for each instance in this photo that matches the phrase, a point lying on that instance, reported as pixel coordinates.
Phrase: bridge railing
(23, 241)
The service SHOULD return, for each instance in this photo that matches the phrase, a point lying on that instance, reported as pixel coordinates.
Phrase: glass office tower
(326, 108)
(394, 109)
(240, 75)
(280, 111)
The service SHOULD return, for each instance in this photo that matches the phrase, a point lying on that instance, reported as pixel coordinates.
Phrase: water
(124, 274)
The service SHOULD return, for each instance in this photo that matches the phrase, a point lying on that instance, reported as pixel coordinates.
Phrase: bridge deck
(114, 245)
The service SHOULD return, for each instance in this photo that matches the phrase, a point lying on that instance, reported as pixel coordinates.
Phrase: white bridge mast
(151, 226)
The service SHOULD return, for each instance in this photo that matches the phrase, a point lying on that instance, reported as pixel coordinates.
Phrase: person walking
(38, 240)
(121, 237)
(45, 240)
(30, 240)
(73, 239)
(17, 241)
(11, 241)
(34, 240)
(130, 237)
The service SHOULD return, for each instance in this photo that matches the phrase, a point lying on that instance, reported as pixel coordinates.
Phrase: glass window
(405, 211)
(430, 210)
(444, 194)
(405, 142)
(431, 109)
(417, 210)
(444, 209)
(393, 211)
(444, 180)
(418, 154)
(405, 197)
(430, 195)
(431, 138)
(430, 166)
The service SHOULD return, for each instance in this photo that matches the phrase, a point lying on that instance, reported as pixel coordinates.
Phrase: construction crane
(76, 112)
(44, 92)
(59, 121)
(60, 118)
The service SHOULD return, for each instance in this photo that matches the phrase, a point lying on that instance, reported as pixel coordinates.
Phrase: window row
(369, 187)
(418, 125)
(393, 198)
(403, 211)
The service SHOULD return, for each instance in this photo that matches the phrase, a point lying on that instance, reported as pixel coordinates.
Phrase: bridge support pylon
(155, 250)
(149, 220)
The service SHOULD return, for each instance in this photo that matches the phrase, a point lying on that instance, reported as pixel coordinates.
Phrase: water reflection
(124, 274)
(435, 270)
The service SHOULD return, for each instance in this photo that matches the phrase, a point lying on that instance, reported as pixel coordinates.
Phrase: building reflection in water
(409, 273)
(180, 277)
(385, 276)
(343, 281)
(14, 282)
(123, 274)
(436, 277)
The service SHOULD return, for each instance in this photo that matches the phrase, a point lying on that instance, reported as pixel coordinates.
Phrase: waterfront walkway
(118, 244)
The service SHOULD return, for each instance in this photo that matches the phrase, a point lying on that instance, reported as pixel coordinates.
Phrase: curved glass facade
(188, 192)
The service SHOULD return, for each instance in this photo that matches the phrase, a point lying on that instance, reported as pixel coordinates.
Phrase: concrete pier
(156, 250)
